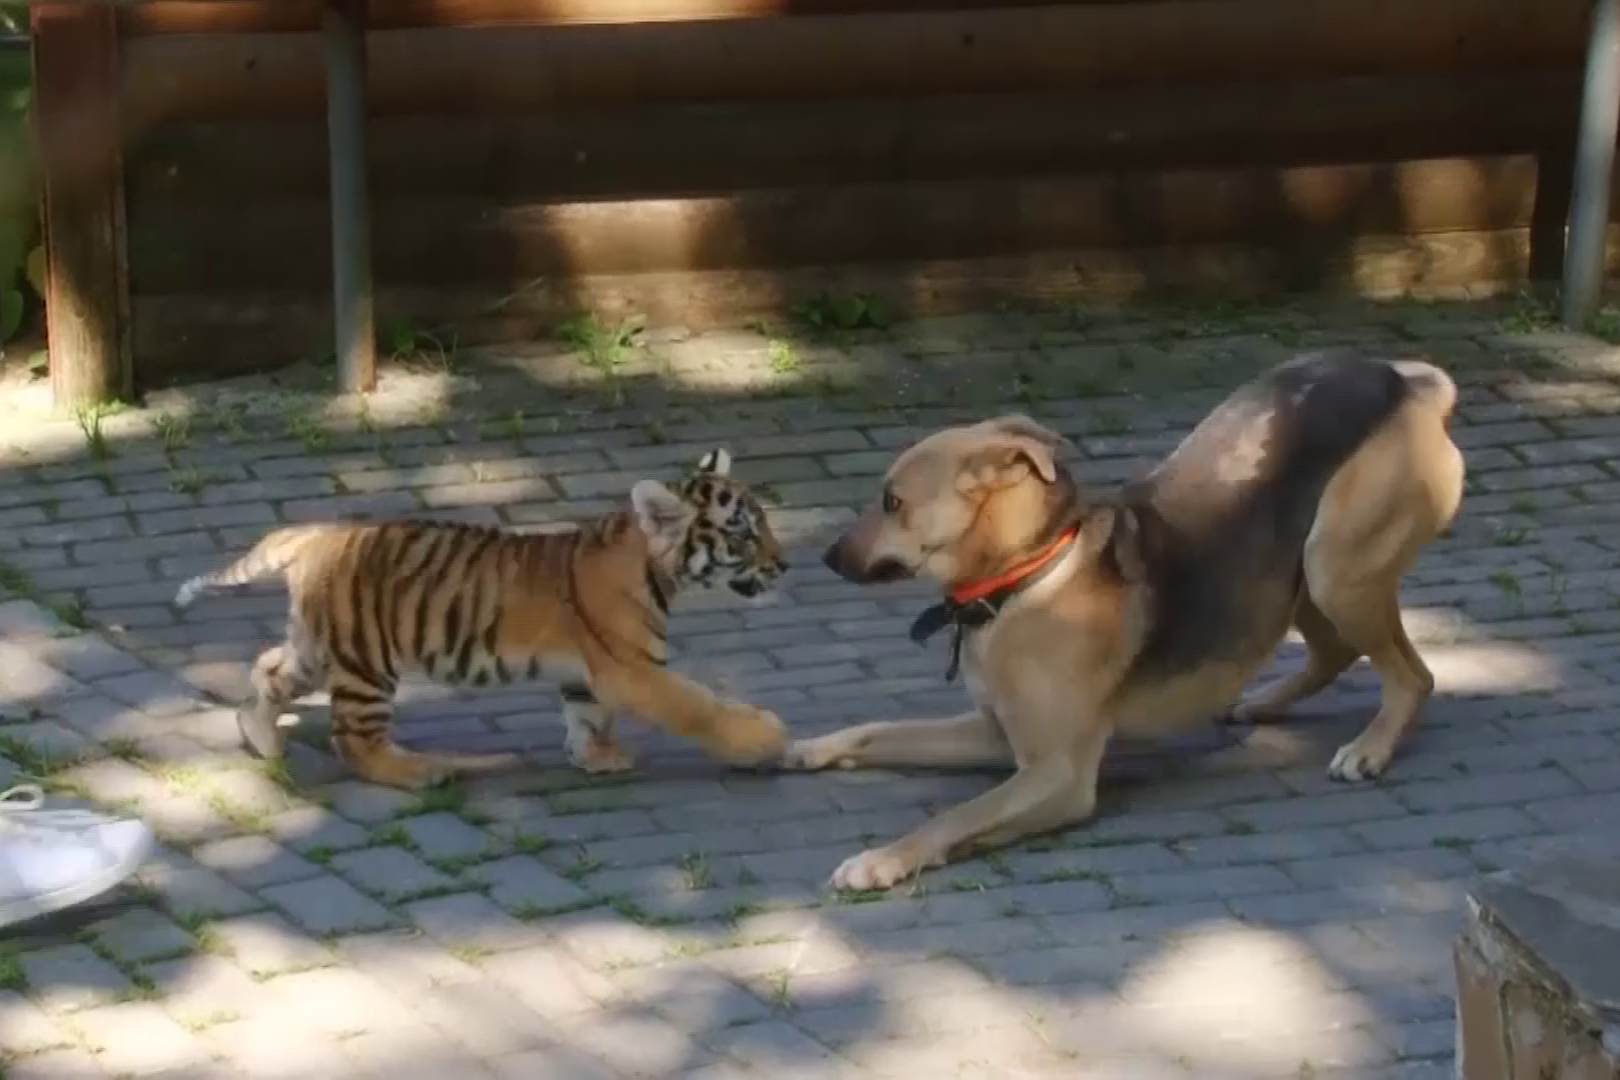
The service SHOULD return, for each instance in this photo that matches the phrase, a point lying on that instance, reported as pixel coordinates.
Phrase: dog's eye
(891, 503)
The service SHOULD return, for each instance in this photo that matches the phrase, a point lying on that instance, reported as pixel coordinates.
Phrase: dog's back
(1224, 519)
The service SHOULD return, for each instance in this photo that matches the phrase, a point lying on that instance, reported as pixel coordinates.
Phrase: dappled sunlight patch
(1234, 997)
(1429, 627)
(27, 684)
(1493, 668)
(1262, 747)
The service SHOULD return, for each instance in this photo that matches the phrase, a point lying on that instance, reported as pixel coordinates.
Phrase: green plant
(307, 429)
(1527, 313)
(12, 975)
(14, 581)
(606, 345)
(827, 313)
(1606, 323)
(71, 613)
(697, 871)
(784, 358)
(188, 481)
(174, 430)
(404, 342)
(89, 420)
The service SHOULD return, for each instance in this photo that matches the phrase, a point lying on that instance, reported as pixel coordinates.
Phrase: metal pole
(1594, 166)
(343, 27)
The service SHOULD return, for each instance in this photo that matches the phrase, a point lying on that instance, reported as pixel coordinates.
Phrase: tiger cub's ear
(659, 511)
(716, 461)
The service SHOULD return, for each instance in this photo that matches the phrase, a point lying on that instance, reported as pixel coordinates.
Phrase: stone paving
(1230, 914)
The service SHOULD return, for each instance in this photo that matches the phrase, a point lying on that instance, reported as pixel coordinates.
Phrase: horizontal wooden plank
(689, 150)
(186, 245)
(235, 333)
(1053, 50)
(292, 16)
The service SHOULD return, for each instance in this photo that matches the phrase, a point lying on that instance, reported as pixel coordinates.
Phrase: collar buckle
(981, 609)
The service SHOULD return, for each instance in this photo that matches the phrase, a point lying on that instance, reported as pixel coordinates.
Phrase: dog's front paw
(877, 868)
(1359, 759)
(822, 752)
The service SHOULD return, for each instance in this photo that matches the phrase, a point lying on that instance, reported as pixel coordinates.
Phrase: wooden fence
(707, 159)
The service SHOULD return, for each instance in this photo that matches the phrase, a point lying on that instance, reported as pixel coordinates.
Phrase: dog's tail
(270, 557)
(1430, 385)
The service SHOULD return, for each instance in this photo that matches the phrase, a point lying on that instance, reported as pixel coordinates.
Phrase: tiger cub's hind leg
(362, 719)
(362, 716)
(590, 740)
(280, 675)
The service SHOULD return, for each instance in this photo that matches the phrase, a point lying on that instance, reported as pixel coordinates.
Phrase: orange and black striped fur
(467, 604)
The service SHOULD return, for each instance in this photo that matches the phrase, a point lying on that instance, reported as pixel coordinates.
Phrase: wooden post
(343, 25)
(75, 103)
(1594, 167)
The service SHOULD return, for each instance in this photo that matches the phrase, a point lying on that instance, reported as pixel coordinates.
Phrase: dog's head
(956, 502)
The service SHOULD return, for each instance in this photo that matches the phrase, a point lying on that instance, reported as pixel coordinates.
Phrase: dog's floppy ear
(1014, 437)
(1114, 530)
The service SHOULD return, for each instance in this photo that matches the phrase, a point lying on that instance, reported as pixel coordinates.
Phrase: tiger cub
(467, 604)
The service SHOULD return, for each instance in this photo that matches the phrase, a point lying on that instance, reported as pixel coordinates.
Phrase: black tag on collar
(961, 618)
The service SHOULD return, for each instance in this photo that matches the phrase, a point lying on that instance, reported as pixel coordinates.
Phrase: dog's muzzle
(838, 560)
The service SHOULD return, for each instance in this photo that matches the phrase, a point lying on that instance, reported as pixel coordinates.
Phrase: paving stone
(259, 1047)
(254, 861)
(192, 891)
(141, 934)
(308, 829)
(770, 1045)
(559, 1061)
(328, 905)
(338, 1001)
(640, 1046)
(390, 873)
(443, 835)
(523, 884)
(556, 986)
(481, 1018)
(367, 804)
(75, 1063)
(153, 692)
(605, 940)
(469, 921)
(267, 944)
(67, 978)
(203, 991)
(139, 1039)
(693, 997)
(378, 1054)
(26, 1029)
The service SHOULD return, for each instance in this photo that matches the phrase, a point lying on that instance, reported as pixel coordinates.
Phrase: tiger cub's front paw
(594, 752)
(748, 735)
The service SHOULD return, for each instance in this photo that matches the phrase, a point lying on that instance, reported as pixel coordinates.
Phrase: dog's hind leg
(1383, 506)
(1371, 617)
(1327, 657)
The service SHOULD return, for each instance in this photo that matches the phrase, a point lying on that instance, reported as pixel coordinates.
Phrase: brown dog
(1301, 500)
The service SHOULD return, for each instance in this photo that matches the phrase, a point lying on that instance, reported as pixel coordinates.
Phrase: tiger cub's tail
(270, 557)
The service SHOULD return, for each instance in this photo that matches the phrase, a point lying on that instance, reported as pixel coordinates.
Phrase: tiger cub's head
(710, 529)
